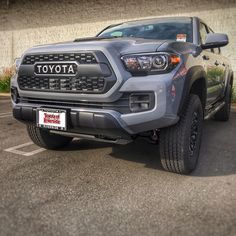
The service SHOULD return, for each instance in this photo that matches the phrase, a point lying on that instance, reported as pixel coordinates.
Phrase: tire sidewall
(190, 161)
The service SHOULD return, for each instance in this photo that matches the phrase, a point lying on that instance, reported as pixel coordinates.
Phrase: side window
(203, 33)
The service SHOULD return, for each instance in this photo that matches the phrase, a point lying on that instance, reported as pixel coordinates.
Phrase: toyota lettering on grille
(55, 68)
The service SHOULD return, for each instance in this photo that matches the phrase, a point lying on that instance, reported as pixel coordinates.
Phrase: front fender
(193, 74)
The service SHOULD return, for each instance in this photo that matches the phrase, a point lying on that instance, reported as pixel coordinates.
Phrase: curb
(5, 94)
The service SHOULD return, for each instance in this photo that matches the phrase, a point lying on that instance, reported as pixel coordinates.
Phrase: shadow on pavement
(85, 145)
(217, 157)
(218, 151)
(139, 151)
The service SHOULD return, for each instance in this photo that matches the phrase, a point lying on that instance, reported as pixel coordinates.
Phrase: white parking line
(19, 152)
(3, 116)
(5, 113)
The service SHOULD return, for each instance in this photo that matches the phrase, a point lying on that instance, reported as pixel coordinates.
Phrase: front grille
(65, 84)
(92, 72)
(81, 58)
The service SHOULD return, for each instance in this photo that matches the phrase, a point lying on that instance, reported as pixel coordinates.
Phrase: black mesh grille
(121, 105)
(94, 76)
(82, 58)
(70, 84)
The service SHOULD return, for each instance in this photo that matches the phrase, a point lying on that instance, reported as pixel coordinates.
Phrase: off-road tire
(45, 139)
(180, 144)
(224, 113)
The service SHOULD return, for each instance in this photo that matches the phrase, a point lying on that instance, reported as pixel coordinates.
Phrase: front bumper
(108, 124)
(113, 124)
(83, 122)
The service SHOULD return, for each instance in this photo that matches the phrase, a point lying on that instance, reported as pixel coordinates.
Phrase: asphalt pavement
(92, 188)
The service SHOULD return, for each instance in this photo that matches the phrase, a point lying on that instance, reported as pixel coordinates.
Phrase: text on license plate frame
(51, 118)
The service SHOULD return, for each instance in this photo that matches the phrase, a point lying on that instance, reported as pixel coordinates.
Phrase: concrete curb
(5, 94)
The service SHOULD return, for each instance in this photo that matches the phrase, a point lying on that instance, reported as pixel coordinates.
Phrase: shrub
(5, 78)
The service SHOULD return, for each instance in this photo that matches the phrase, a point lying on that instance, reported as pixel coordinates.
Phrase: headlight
(150, 63)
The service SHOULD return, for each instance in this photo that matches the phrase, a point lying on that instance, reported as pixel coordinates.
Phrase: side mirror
(215, 40)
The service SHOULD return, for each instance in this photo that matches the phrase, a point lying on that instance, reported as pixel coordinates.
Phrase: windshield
(175, 29)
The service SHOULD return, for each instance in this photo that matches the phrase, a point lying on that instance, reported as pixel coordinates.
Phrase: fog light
(14, 95)
(140, 102)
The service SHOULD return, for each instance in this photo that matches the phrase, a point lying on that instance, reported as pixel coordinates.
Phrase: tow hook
(154, 136)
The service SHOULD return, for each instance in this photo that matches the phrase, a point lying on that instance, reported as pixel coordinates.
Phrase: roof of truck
(149, 20)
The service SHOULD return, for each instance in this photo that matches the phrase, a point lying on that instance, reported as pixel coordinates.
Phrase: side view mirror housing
(215, 40)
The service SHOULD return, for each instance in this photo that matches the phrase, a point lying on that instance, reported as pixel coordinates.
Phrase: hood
(120, 45)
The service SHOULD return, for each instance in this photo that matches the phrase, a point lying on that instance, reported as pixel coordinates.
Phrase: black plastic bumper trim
(94, 123)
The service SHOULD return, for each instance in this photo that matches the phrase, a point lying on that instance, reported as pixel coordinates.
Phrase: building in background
(24, 23)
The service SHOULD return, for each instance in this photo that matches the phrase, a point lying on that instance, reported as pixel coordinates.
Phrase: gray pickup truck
(154, 78)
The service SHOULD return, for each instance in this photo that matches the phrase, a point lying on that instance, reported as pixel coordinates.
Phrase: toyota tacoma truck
(153, 78)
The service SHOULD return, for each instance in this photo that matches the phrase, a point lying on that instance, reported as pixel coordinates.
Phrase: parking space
(17, 149)
(94, 188)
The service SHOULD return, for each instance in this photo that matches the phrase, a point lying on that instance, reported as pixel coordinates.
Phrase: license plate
(51, 119)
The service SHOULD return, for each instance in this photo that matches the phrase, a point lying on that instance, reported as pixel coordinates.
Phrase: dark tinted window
(178, 30)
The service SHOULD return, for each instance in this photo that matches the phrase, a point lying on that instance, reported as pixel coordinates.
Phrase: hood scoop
(88, 39)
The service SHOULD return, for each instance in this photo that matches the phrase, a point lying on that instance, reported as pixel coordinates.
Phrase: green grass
(5, 79)
(5, 84)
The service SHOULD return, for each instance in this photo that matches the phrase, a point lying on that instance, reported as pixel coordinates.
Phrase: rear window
(177, 30)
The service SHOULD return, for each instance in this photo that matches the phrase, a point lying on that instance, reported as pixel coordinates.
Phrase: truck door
(220, 72)
(213, 68)
(220, 69)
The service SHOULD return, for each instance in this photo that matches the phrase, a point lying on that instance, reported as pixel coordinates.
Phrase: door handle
(217, 63)
(205, 57)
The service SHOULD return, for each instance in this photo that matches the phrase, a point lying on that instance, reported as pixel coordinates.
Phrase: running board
(211, 113)
(91, 137)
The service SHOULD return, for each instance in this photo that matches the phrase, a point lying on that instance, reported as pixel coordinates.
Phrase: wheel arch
(228, 82)
(231, 78)
(196, 83)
